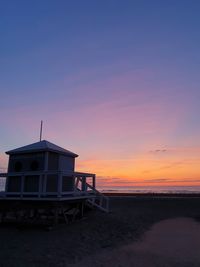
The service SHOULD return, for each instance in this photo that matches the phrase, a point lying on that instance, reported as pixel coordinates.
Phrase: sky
(116, 82)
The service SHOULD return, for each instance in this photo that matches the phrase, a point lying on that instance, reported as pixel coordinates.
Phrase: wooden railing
(80, 187)
(43, 181)
(100, 201)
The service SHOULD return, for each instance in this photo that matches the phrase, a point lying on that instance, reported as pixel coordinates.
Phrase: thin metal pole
(41, 125)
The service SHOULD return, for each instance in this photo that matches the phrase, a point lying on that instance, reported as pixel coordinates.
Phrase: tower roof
(41, 146)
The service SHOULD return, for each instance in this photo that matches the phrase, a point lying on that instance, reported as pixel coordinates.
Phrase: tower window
(34, 165)
(18, 166)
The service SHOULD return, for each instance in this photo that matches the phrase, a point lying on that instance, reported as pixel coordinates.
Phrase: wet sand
(172, 242)
(138, 232)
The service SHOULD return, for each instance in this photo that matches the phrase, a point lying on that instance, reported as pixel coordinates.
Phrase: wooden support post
(45, 185)
(83, 183)
(22, 185)
(94, 181)
(7, 182)
(46, 163)
(60, 185)
(40, 186)
(77, 180)
(46, 160)
(74, 187)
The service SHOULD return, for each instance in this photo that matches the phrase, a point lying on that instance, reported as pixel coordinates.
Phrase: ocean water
(137, 189)
(152, 189)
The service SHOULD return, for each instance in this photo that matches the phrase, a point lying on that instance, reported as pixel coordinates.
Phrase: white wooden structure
(45, 172)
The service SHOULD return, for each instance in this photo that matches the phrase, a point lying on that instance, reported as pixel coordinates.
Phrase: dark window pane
(52, 183)
(34, 165)
(14, 184)
(67, 183)
(18, 166)
(31, 183)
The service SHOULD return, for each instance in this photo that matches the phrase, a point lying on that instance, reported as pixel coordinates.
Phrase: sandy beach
(139, 231)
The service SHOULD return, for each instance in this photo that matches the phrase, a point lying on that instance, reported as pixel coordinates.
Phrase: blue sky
(114, 78)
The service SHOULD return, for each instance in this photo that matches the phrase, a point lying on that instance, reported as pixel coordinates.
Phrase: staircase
(97, 199)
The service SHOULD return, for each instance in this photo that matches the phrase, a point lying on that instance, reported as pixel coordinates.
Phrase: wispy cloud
(158, 151)
(180, 149)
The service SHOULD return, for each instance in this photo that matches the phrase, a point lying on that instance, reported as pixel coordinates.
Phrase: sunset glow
(110, 83)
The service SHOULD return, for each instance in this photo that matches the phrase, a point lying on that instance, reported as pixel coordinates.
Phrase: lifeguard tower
(43, 174)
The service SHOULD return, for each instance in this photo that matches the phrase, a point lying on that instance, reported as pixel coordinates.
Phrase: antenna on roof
(41, 125)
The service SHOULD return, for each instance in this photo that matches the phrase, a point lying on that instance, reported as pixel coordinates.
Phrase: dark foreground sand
(138, 232)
